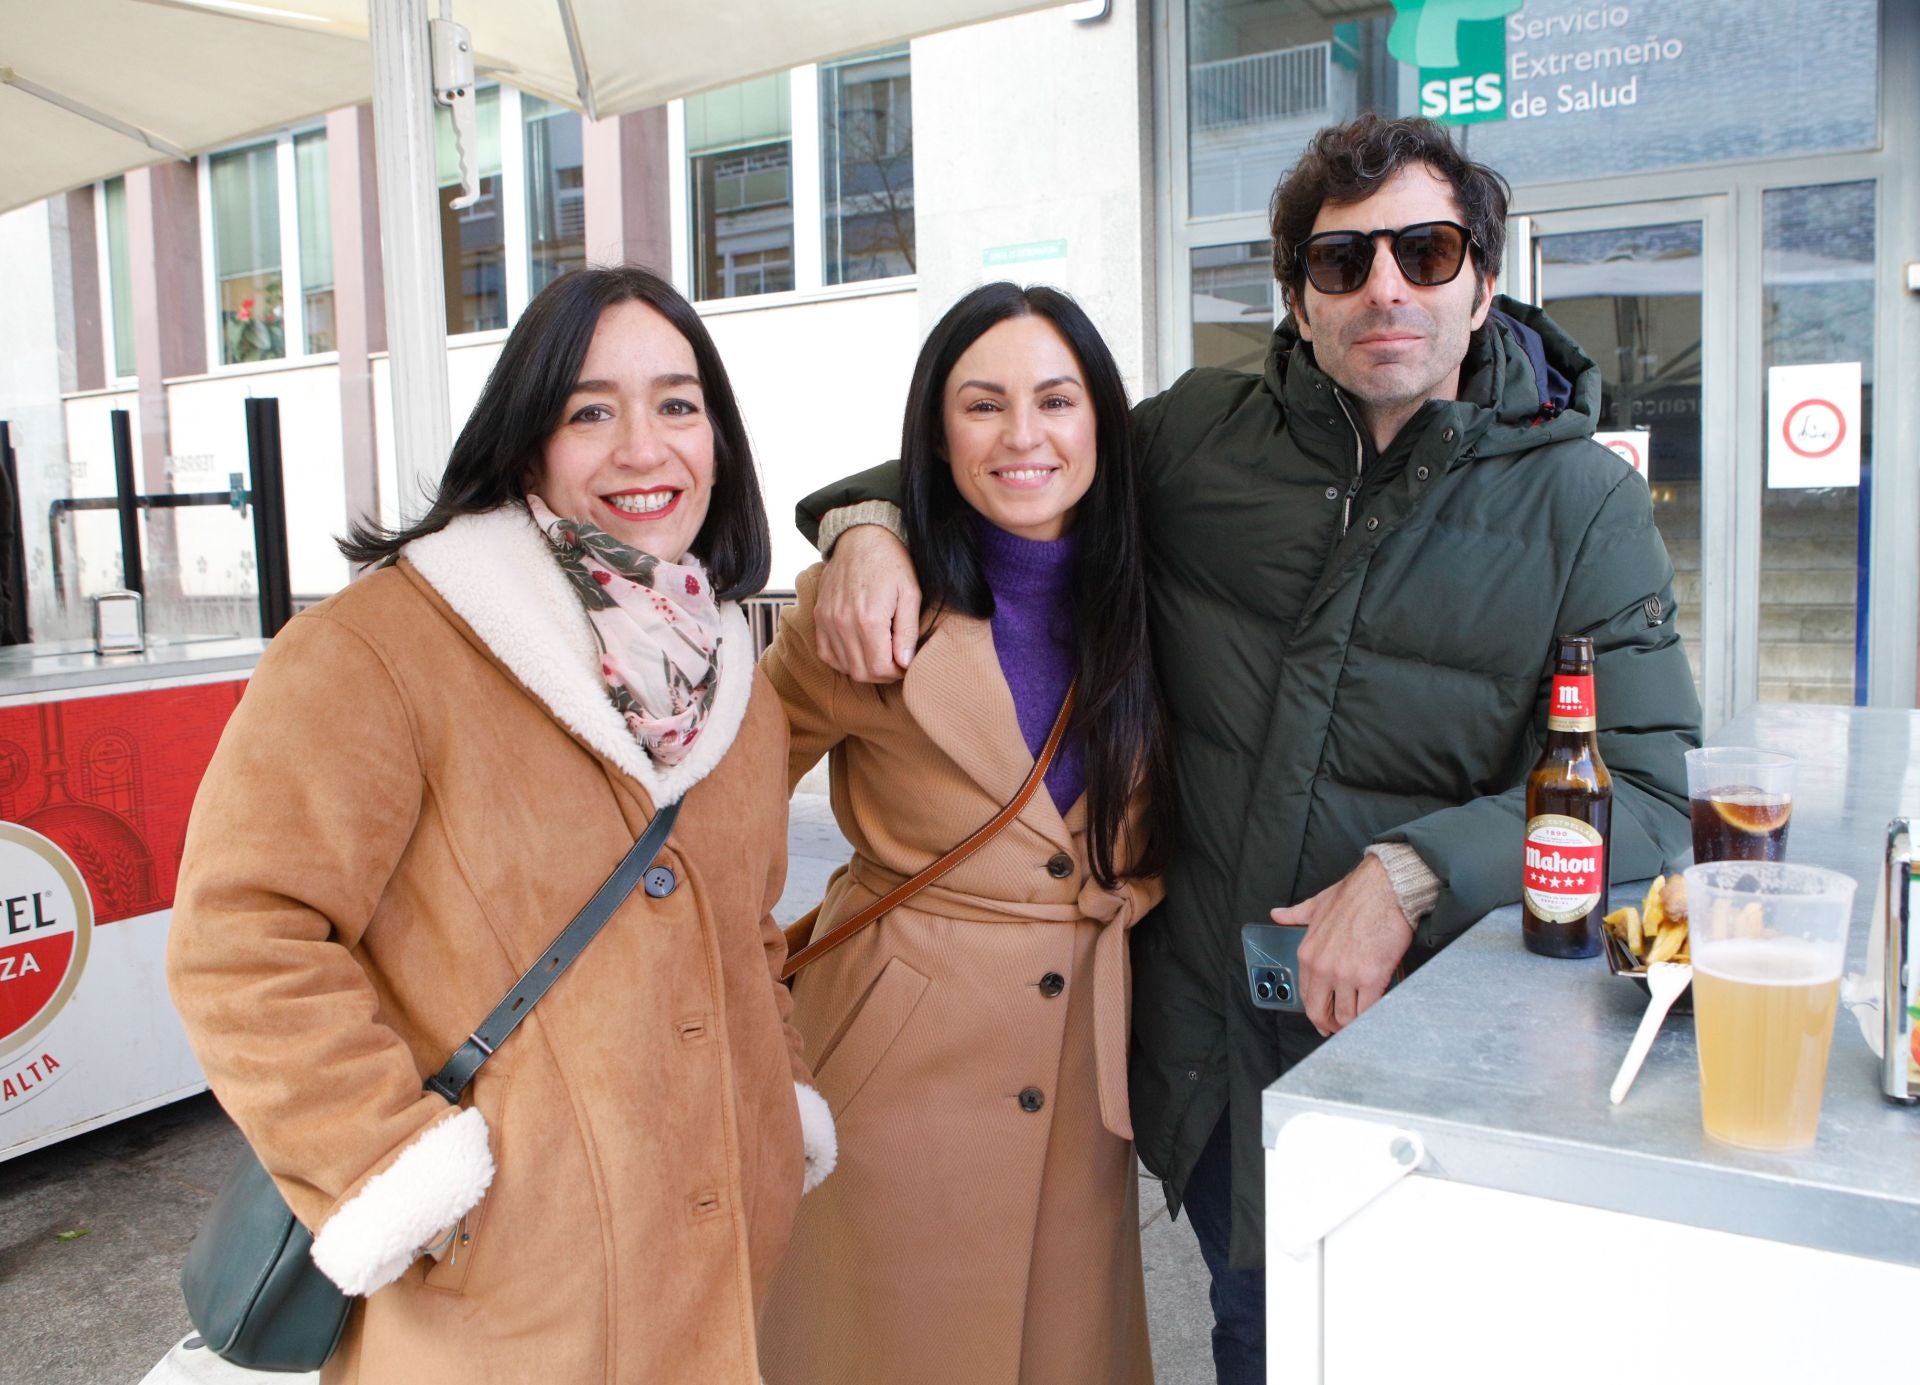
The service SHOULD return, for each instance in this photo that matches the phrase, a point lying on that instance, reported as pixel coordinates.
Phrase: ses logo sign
(1460, 49)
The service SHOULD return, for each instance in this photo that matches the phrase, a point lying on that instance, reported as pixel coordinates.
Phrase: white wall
(468, 365)
(822, 387)
(208, 426)
(1031, 131)
(30, 381)
(91, 561)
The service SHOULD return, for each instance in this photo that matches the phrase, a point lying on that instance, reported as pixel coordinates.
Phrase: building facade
(1711, 195)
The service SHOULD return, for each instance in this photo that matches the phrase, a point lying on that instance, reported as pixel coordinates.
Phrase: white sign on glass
(1813, 426)
(1633, 445)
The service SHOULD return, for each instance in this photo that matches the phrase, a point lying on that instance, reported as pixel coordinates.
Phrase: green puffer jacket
(1354, 649)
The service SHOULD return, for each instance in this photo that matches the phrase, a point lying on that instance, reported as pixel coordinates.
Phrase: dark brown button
(1060, 865)
(1052, 984)
(660, 882)
(1032, 1099)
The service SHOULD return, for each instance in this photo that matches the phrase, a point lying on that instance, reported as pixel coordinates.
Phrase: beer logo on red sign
(1566, 863)
(46, 924)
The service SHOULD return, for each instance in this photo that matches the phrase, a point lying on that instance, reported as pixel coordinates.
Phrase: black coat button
(1032, 1099)
(1373, 524)
(1052, 984)
(1060, 865)
(660, 882)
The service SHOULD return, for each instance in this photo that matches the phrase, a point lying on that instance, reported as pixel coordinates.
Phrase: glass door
(1644, 289)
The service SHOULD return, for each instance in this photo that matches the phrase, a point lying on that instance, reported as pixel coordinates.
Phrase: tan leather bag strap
(819, 947)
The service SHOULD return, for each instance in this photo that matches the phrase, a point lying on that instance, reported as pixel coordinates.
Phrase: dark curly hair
(1348, 163)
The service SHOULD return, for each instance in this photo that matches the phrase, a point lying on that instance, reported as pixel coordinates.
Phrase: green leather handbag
(253, 1292)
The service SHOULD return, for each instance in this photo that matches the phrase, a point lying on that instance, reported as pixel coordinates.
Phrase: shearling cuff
(439, 1178)
(816, 1135)
(1414, 883)
(884, 513)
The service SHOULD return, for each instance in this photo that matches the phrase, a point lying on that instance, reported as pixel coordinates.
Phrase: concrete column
(169, 331)
(80, 247)
(359, 298)
(624, 166)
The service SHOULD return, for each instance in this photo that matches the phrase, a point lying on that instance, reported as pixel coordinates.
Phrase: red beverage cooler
(100, 758)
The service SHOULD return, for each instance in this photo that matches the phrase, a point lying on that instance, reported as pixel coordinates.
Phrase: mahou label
(1571, 704)
(1565, 866)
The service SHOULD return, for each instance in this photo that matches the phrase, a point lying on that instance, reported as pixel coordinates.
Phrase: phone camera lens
(1264, 989)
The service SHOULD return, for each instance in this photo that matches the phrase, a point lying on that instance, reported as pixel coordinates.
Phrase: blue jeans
(1239, 1296)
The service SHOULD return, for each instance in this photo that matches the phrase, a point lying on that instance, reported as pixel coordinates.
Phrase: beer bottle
(1569, 816)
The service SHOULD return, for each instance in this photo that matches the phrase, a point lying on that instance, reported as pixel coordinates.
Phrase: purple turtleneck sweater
(1033, 636)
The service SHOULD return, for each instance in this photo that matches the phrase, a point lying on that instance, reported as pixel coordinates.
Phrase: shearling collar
(494, 570)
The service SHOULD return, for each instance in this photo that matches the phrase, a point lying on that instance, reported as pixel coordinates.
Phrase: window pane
(740, 166)
(1262, 76)
(316, 238)
(473, 244)
(1631, 296)
(1233, 305)
(556, 192)
(866, 155)
(246, 254)
(743, 221)
(1817, 309)
(120, 277)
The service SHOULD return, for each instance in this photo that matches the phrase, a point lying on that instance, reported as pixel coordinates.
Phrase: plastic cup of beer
(1769, 941)
(1742, 801)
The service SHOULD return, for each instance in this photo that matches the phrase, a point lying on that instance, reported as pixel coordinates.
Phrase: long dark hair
(1118, 717)
(505, 438)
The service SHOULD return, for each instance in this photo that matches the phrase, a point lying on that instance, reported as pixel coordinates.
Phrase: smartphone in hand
(1272, 955)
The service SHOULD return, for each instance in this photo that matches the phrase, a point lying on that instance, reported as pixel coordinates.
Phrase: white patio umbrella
(90, 88)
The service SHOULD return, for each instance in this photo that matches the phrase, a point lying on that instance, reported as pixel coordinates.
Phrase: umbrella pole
(408, 180)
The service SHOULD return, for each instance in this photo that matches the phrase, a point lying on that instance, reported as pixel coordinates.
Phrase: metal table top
(1501, 1060)
(31, 671)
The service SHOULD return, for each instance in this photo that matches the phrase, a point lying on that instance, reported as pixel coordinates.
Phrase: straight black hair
(1118, 717)
(500, 450)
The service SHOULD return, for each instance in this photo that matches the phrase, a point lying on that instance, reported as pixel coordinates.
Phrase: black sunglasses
(1429, 253)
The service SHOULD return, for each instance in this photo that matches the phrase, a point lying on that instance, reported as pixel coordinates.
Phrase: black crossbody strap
(467, 1059)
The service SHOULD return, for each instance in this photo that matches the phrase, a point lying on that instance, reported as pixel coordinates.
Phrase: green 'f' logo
(1460, 48)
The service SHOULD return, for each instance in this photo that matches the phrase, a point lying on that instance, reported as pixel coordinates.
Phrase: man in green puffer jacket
(1356, 564)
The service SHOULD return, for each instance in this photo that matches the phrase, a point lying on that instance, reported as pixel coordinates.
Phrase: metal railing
(1260, 86)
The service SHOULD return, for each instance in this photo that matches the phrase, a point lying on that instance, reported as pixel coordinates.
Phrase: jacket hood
(1524, 381)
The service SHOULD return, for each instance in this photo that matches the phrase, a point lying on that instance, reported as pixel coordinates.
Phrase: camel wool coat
(982, 1226)
(423, 784)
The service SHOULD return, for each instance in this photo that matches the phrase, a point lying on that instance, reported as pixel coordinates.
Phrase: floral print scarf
(658, 627)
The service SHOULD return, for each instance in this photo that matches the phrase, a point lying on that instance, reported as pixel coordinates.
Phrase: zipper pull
(1346, 505)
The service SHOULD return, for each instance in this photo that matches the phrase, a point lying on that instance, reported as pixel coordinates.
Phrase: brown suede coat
(416, 793)
(964, 1239)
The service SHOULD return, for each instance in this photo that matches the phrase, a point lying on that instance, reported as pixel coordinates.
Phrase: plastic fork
(1665, 983)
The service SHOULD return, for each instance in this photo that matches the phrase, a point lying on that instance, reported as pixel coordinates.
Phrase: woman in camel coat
(982, 1227)
(429, 775)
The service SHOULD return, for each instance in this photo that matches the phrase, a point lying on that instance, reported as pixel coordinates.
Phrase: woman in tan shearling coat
(428, 776)
(982, 1227)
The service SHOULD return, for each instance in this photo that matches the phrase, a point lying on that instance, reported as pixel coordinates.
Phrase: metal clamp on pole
(452, 56)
